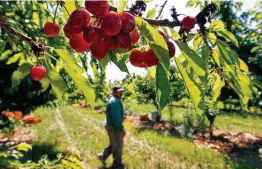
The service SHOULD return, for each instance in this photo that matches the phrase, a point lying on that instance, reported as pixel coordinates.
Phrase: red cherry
(97, 8)
(51, 29)
(78, 43)
(136, 58)
(68, 30)
(164, 36)
(111, 42)
(99, 50)
(134, 35)
(92, 34)
(128, 21)
(79, 19)
(124, 41)
(171, 49)
(150, 58)
(111, 24)
(188, 22)
(38, 72)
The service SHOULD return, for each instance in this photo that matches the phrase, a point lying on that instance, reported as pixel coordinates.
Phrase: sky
(113, 73)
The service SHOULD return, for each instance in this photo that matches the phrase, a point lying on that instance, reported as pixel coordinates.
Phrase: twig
(156, 22)
(161, 10)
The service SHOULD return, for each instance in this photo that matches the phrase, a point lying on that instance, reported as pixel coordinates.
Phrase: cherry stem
(55, 12)
(66, 10)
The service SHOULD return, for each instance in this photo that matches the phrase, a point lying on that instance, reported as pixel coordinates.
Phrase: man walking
(114, 128)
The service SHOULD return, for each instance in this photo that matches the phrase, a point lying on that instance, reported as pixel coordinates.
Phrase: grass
(143, 148)
(227, 121)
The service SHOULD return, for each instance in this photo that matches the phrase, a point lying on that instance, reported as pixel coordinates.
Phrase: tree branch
(161, 10)
(156, 22)
(36, 47)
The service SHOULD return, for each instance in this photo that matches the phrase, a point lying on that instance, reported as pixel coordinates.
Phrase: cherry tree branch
(156, 22)
(36, 47)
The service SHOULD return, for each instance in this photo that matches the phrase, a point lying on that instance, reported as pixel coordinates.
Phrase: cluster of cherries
(97, 29)
(106, 30)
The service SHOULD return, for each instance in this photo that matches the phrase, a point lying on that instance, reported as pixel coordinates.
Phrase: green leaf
(151, 13)
(191, 3)
(162, 86)
(23, 147)
(75, 72)
(5, 54)
(230, 37)
(257, 83)
(174, 34)
(227, 57)
(121, 5)
(243, 87)
(193, 58)
(205, 54)
(56, 80)
(44, 84)
(69, 60)
(82, 85)
(217, 86)
(20, 74)
(152, 72)
(14, 58)
(255, 49)
(194, 90)
(243, 66)
(103, 62)
(212, 38)
(198, 40)
(2, 46)
(119, 61)
(216, 25)
(155, 41)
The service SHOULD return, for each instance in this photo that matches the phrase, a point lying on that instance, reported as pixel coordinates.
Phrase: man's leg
(107, 151)
(117, 150)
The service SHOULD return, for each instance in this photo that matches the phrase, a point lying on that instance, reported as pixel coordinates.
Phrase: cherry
(111, 24)
(92, 34)
(136, 58)
(68, 30)
(51, 29)
(164, 36)
(134, 36)
(111, 42)
(150, 58)
(37, 72)
(78, 43)
(188, 22)
(99, 50)
(128, 22)
(79, 19)
(171, 49)
(124, 41)
(97, 8)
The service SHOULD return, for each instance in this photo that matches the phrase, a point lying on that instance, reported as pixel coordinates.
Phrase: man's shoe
(101, 159)
(119, 166)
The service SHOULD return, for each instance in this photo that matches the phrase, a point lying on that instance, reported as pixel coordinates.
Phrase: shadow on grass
(38, 150)
(241, 158)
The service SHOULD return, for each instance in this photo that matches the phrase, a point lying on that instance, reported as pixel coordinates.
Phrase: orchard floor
(80, 131)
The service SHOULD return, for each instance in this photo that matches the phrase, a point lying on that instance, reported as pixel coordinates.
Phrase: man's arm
(116, 115)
